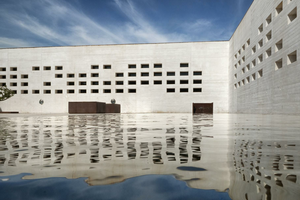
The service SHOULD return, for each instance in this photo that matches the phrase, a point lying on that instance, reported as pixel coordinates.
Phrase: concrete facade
(141, 77)
(264, 59)
(256, 71)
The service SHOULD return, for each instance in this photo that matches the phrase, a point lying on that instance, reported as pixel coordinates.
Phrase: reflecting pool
(149, 156)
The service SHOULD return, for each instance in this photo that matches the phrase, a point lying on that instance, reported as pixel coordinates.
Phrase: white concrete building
(256, 71)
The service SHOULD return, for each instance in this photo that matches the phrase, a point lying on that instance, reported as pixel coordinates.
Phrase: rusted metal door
(207, 108)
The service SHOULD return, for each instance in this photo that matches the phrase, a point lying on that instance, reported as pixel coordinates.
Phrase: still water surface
(149, 156)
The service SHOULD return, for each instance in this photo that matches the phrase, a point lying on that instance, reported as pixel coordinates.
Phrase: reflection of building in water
(104, 148)
(265, 167)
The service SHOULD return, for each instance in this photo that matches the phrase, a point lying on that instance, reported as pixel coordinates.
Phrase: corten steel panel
(207, 108)
(86, 107)
(113, 108)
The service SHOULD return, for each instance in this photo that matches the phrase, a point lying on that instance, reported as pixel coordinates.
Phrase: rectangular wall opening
(197, 89)
(106, 66)
(82, 82)
(253, 77)
(24, 76)
(131, 66)
(82, 75)
(184, 89)
(58, 91)
(82, 91)
(157, 74)
(144, 65)
(24, 91)
(248, 67)
(24, 84)
(157, 65)
(2, 69)
(58, 68)
(13, 69)
(71, 83)
(47, 83)
(260, 29)
(131, 82)
(269, 20)
(13, 84)
(131, 90)
(253, 49)
(119, 74)
(144, 82)
(184, 73)
(253, 63)
(35, 68)
(184, 81)
(269, 36)
(106, 82)
(197, 81)
(95, 83)
(13, 76)
(106, 91)
(58, 75)
(197, 73)
(94, 91)
(131, 74)
(119, 83)
(119, 91)
(2, 76)
(94, 66)
(278, 64)
(269, 52)
(170, 90)
(260, 43)
(157, 82)
(260, 58)
(278, 45)
(292, 57)
(144, 73)
(170, 73)
(70, 91)
(279, 8)
(184, 64)
(47, 68)
(292, 15)
(260, 73)
(248, 79)
(95, 75)
(70, 75)
(170, 82)
(47, 91)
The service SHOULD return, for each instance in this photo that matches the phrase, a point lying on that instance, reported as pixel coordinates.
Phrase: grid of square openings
(84, 80)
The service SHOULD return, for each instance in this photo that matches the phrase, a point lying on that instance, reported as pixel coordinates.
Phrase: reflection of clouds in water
(266, 160)
(77, 145)
(144, 187)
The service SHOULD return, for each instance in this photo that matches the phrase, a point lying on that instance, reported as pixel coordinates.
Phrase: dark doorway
(207, 108)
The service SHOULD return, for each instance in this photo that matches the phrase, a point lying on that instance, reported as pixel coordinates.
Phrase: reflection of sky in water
(148, 187)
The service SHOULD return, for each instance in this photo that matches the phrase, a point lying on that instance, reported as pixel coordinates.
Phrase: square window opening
(278, 64)
(278, 45)
(170, 90)
(292, 15)
(292, 57)
(47, 91)
(279, 8)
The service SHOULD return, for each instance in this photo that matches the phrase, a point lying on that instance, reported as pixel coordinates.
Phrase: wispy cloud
(59, 22)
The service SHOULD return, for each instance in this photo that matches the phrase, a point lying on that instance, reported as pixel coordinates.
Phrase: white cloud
(11, 42)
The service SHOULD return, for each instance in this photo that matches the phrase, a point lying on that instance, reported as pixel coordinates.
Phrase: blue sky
(30, 23)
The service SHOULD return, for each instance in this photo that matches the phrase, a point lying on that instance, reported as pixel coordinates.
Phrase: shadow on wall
(0, 109)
